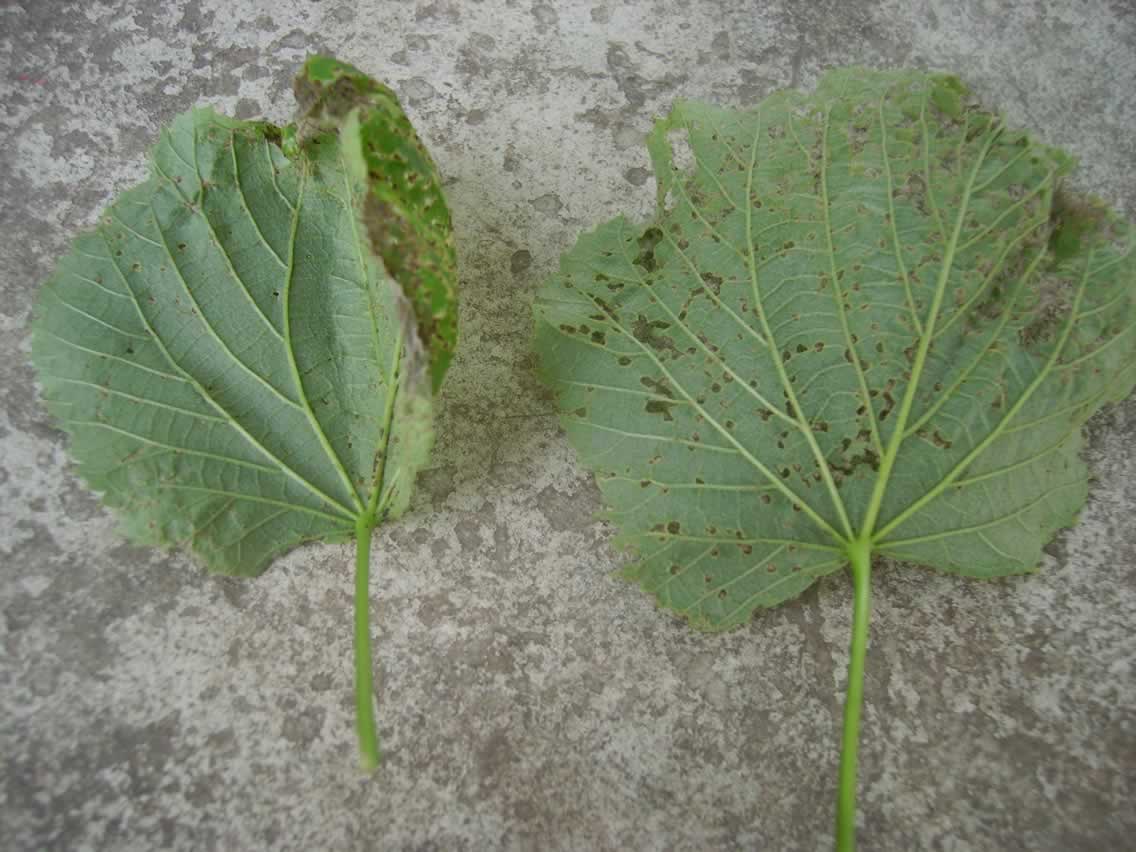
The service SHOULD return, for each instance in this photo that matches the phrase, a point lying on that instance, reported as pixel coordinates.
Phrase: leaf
(223, 349)
(865, 321)
(862, 270)
(243, 351)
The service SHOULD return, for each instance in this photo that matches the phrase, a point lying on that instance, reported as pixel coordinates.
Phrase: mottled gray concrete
(527, 699)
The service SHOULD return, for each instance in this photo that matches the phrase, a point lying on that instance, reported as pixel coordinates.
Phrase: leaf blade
(852, 290)
(223, 347)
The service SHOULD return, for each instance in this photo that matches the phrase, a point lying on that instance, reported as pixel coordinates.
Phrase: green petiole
(364, 689)
(860, 555)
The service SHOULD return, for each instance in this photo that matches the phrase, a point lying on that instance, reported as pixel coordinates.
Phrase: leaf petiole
(364, 700)
(860, 555)
(378, 504)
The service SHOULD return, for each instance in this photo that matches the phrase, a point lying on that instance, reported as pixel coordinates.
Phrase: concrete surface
(527, 700)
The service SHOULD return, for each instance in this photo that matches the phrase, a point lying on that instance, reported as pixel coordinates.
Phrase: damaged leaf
(243, 351)
(866, 322)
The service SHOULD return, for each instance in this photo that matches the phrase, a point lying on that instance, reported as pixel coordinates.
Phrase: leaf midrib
(752, 267)
(879, 489)
(293, 366)
(774, 350)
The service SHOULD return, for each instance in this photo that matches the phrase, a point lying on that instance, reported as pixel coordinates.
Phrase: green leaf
(839, 276)
(864, 321)
(223, 348)
(242, 351)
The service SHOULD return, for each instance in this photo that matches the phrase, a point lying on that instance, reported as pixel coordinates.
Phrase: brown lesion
(321, 104)
(659, 406)
(647, 243)
(647, 332)
(1052, 294)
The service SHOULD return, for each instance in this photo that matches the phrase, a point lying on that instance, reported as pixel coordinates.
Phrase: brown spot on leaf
(658, 406)
(647, 243)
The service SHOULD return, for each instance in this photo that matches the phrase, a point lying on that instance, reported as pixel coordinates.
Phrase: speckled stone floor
(527, 699)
